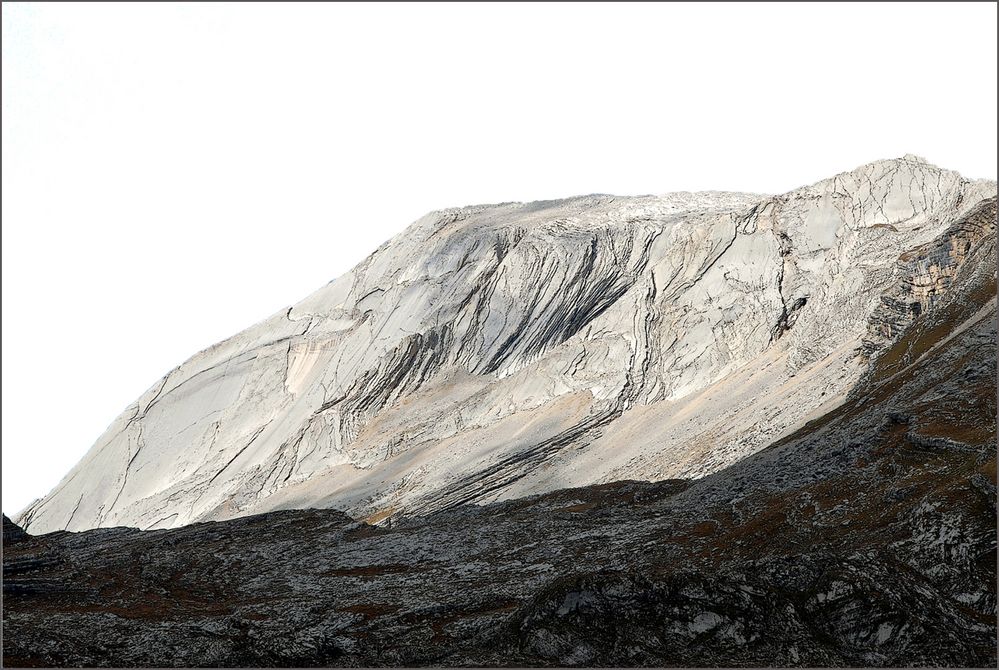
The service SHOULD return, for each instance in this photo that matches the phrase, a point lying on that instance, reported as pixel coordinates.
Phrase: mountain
(685, 430)
(494, 352)
(865, 538)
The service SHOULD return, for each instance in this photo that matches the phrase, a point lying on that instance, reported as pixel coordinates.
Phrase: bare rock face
(12, 533)
(488, 353)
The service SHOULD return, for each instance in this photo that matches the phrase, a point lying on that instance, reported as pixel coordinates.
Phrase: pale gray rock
(493, 352)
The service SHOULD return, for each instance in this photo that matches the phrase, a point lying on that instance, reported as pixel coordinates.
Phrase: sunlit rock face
(492, 352)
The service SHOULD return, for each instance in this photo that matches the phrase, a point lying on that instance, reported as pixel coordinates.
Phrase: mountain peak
(913, 158)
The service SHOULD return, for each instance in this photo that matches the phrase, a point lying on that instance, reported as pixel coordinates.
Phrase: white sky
(175, 173)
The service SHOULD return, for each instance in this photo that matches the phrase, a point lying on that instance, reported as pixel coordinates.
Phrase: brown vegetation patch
(580, 507)
(989, 469)
(972, 435)
(704, 529)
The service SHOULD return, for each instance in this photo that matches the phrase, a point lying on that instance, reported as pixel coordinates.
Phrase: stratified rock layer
(493, 352)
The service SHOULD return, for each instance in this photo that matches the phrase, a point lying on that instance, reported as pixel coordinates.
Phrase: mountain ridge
(360, 394)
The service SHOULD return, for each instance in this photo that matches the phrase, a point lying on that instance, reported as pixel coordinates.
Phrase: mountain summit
(492, 352)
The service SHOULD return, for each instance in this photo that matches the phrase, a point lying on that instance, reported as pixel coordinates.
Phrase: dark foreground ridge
(867, 538)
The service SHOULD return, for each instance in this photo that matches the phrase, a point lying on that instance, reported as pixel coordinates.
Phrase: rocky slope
(865, 538)
(489, 353)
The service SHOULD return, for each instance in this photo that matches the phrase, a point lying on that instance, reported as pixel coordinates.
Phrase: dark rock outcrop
(12, 532)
